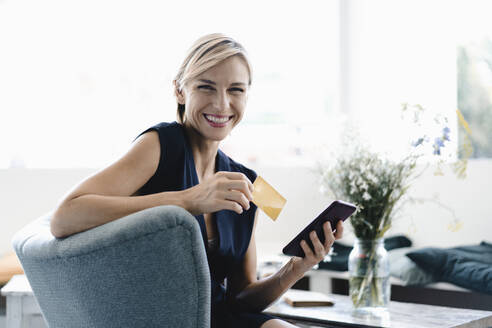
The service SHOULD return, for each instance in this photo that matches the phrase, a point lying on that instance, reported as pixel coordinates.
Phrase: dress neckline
(221, 164)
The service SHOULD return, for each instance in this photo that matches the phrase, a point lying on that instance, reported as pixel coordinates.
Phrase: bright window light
(80, 80)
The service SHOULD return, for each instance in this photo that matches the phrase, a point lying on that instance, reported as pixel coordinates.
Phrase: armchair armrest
(147, 269)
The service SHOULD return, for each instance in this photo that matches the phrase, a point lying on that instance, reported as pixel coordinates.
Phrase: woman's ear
(178, 93)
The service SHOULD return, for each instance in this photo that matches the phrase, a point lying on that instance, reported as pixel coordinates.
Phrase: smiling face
(216, 99)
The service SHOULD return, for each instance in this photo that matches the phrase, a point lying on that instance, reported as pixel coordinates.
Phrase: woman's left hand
(311, 258)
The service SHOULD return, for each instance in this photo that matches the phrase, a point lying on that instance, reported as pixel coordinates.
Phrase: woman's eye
(207, 87)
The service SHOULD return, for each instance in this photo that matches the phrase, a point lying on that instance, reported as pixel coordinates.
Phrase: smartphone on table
(336, 211)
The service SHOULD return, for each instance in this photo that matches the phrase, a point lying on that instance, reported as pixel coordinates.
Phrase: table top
(17, 286)
(341, 314)
(399, 314)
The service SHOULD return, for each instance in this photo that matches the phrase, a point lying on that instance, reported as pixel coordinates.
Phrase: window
(434, 53)
(80, 80)
(398, 52)
(474, 63)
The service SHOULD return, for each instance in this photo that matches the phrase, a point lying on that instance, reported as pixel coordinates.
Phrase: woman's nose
(222, 101)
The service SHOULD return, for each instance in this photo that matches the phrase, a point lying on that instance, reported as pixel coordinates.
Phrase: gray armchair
(148, 269)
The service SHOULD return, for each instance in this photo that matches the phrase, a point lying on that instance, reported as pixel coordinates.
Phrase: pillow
(407, 270)
(467, 266)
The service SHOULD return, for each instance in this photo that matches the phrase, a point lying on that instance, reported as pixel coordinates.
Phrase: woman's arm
(88, 211)
(106, 195)
(256, 295)
(111, 193)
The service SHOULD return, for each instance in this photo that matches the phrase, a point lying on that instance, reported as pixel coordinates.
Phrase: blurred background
(79, 80)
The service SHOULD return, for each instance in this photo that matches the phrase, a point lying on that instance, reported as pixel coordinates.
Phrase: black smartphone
(336, 211)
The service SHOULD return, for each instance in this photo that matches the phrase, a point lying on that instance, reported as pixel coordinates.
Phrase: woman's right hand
(222, 191)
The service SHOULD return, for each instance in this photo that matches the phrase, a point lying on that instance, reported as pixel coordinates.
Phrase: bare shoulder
(126, 175)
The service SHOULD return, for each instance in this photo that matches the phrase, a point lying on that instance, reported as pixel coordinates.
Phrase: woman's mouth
(217, 121)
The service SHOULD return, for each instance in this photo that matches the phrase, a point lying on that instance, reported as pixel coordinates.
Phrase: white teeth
(217, 119)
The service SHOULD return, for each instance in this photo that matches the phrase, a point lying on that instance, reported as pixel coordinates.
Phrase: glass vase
(369, 286)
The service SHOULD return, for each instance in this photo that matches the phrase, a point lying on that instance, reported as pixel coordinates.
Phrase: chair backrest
(148, 269)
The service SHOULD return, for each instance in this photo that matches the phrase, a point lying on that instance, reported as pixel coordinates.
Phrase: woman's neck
(204, 152)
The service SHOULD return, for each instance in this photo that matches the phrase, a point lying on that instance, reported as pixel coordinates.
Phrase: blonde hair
(205, 53)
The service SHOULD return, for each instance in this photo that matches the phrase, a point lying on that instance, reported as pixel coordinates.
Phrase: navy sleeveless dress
(176, 171)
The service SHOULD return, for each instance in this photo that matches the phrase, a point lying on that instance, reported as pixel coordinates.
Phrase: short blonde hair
(205, 53)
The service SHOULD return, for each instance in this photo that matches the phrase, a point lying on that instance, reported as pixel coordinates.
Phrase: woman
(180, 163)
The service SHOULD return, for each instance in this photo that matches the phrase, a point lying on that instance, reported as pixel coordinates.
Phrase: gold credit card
(267, 198)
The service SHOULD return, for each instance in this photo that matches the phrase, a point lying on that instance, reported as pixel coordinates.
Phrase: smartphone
(336, 211)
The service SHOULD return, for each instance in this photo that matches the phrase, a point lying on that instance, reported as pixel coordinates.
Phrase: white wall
(26, 194)
(426, 224)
